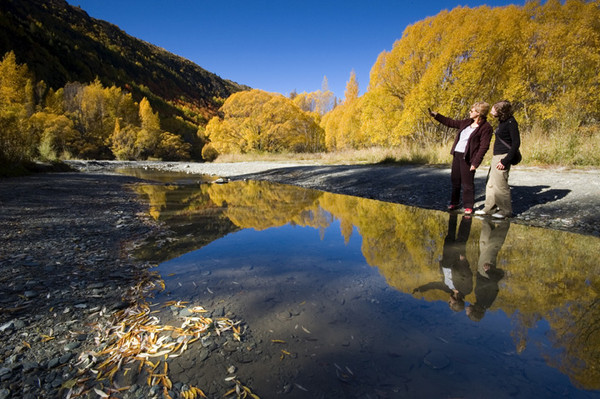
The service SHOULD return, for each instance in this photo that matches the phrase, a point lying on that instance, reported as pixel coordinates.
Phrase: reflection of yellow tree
(553, 275)
(157, 197)
(547, 268)
(576, 328)
(261, 205)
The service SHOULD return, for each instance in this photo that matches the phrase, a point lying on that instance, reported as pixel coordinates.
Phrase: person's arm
(445, 120)
(436, 285)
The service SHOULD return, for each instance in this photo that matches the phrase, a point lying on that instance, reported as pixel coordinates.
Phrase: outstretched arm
(447, 121)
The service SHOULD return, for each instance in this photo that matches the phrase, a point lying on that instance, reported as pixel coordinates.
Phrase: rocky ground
(64, 266)
(67, 240)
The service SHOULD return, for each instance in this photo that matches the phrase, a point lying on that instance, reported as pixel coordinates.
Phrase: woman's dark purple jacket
(478, 143)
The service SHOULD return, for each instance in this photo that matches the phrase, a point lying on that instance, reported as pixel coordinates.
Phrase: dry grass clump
(576, 146)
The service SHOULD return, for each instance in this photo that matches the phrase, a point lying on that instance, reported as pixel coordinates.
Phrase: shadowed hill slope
(61, 43)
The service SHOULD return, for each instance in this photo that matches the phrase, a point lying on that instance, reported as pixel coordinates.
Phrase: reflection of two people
(456, 274)
(457, 277)
(491, 240)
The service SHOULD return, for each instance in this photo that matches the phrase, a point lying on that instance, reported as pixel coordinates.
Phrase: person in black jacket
(470, 145)
(497, 192)
(491, 240)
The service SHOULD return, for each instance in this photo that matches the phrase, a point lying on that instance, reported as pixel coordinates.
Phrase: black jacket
(508, 130)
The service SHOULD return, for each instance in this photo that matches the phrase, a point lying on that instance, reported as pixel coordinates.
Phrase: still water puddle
(344, 297)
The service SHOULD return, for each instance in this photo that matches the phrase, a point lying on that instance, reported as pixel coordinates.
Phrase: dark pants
(462, 177)
(455, 244)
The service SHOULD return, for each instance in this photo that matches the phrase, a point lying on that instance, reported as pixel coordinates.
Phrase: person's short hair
(482, 107)
(457, 302)
(457, 306)
(504, 109)
(476, 312)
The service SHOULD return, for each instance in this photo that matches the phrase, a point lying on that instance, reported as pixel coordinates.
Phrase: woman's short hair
(504, 109)
(482, 107)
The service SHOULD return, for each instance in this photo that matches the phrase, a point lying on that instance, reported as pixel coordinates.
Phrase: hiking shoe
(480, 212)
(468, 211)
(499, 216)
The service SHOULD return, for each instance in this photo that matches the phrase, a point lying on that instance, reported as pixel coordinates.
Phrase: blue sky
(275, 45)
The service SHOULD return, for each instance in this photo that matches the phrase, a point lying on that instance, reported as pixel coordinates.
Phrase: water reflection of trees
(549, 275)
(261, 205)
(576, 328)
(200, 214)
(192, 218)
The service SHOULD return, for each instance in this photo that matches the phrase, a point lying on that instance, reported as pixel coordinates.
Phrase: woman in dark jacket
(497, 192)
(456, 274)
(470, 145)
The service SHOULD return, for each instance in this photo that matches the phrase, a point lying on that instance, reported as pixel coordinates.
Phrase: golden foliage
(351, 92)
(16, 105)
(543, 57)
(172, 148)
(124, 141)
(318, 102)
(85, 121)
(259, 121)
(257, 205)
(56, 132)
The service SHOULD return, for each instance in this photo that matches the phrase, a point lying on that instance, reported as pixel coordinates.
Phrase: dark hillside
(61, 43)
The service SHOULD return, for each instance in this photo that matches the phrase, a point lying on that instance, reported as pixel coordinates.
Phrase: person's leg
(503, 197)
(468, 184)
(491, 188)
(464, 230)
(455, 178)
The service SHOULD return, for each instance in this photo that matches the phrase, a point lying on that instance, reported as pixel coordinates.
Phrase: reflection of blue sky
(279, 244)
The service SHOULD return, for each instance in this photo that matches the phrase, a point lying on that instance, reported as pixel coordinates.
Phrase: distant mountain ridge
(61, 43)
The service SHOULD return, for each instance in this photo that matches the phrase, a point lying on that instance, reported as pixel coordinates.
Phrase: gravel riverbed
(66, 259)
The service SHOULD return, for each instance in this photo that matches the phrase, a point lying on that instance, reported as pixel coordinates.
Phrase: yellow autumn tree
(172, 148)
(55, 134)
(123, 141)
(148, 138)
(93, 110)
(351, 92)
(319, 102)
(342, 124)
(260, 121)
(543, 57)
(16, 105)
(380, 114)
